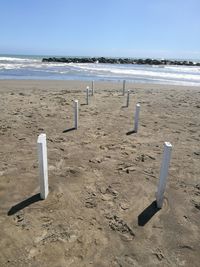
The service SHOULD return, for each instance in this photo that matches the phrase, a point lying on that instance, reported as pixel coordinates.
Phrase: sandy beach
(101, 208)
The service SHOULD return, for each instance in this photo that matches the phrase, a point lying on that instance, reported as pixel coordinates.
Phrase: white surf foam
(18, 59)
(31, 67)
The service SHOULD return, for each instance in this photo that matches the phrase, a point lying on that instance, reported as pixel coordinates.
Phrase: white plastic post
(92, 88)
(43, 167)
(76, 114)
(128, 97)
(163, 174)
(124, 85)
(87, 95)
(137, 112)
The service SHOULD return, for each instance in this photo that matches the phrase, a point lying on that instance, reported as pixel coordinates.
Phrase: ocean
(31, 67)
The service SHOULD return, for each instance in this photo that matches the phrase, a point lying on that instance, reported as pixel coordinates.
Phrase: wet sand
(101, 209)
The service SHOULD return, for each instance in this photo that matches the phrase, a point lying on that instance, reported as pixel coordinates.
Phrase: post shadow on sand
(125, 106)
(69, 130)
(23, 204)
(131, 132)
(147, 213)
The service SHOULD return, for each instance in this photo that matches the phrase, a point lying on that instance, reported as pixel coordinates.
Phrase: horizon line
(123, 57)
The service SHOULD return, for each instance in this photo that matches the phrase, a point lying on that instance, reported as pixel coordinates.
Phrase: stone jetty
(111, 60)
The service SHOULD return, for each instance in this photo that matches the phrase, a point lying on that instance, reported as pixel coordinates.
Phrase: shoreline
(113, 85)
(29, 69)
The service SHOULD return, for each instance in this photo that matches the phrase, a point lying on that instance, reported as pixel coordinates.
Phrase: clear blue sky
(132, 28)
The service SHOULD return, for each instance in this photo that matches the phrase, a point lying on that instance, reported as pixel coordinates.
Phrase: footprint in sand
(90, 201)
(108, 193)
(119, 225)
(128, 259)
(124, 167)
(159, 254)
(20, 221)
(46, 222)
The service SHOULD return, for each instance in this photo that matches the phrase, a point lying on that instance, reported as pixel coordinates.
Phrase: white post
(76, 114)
(43, 168)
(87, 95)
(128, 96)
(124, 85)
(137, 112)
(92, 88)
(163, 174)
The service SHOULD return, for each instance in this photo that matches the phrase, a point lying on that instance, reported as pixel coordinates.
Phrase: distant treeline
(110, 60)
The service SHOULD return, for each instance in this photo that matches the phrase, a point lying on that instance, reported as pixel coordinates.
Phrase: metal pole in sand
(124, 85)
(87, 95)
(76, 114)
(43, 167)
(128, 97)
(92, 88)
(137, 112)
(163, 174)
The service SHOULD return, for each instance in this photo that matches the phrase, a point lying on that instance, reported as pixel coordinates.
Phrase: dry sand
(100, 210)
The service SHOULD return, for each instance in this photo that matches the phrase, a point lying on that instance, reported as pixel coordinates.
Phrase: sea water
(32, 67)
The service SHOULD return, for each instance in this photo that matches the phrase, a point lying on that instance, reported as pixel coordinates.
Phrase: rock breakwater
(110, 60)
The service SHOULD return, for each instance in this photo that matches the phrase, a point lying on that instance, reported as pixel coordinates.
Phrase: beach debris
(163, 174)
(76, 114)
(43, 167)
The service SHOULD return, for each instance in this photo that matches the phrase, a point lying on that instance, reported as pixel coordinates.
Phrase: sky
(116, 28)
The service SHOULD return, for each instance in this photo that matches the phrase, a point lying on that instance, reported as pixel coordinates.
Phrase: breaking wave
(33, 68)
